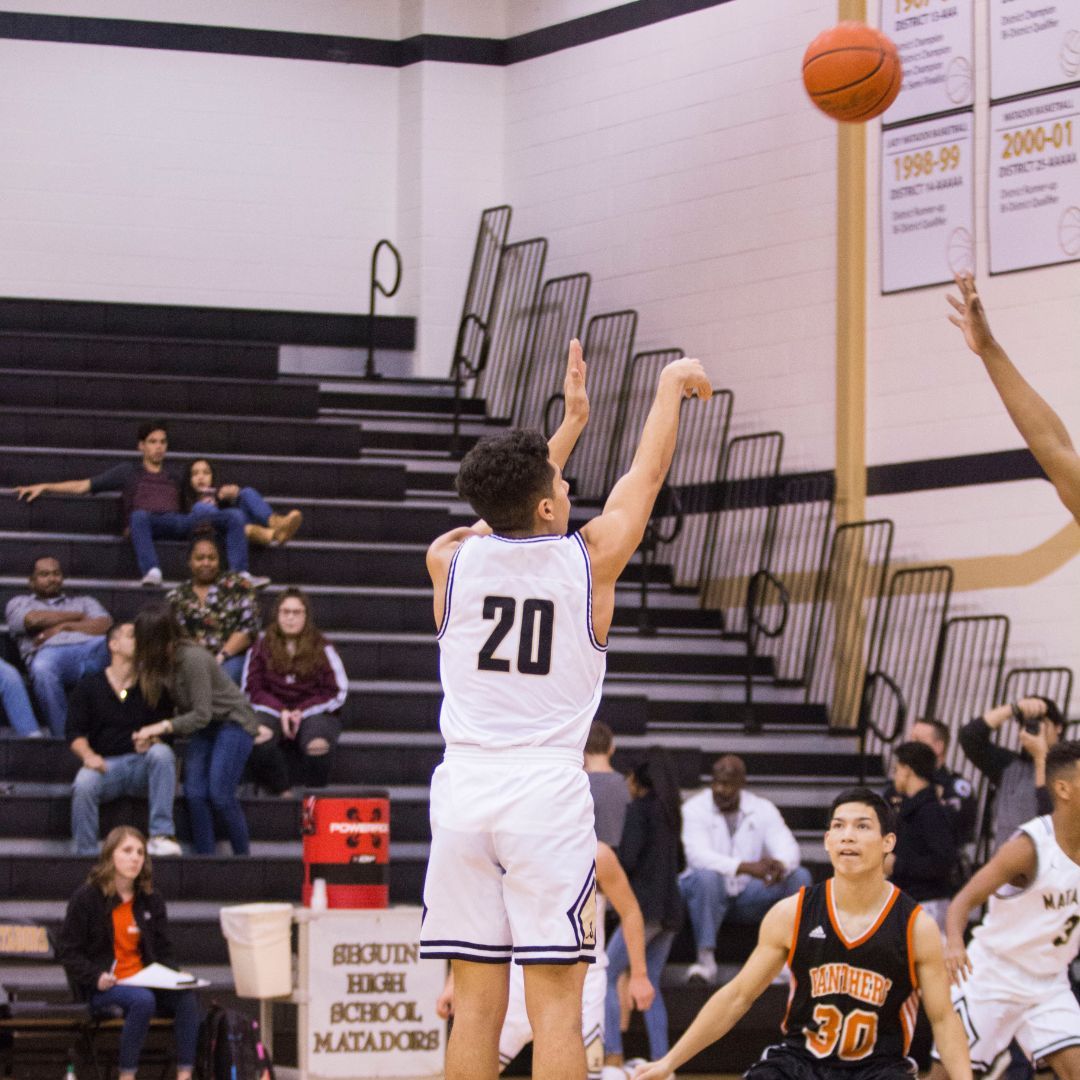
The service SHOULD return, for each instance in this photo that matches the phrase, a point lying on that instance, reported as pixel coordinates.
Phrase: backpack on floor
(230, 1048)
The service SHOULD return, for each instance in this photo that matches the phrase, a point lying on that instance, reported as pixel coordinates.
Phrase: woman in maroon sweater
(296, 683)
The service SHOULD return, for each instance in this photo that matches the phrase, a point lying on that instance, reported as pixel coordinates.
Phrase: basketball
(852, 72)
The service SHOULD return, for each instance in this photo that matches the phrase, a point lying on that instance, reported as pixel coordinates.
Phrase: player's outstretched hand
(970, 315)
(957, 962)
(652, 1070)
(642, 993)
(691, 376)
(29, 492)
(575, 396)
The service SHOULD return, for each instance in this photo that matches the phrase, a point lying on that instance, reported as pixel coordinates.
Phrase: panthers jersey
(519, 662)
(853, 1003)
(1030, 936)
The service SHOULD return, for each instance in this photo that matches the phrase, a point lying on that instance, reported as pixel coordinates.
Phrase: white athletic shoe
(614, 1072)
(152, 577)
(163, 845)
(702, 972)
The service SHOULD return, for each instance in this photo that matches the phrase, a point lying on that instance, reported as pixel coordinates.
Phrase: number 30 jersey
(1030, 936)
(519, 662)
(853, 1003)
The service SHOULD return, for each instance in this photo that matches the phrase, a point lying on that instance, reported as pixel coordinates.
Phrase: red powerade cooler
(347, 844)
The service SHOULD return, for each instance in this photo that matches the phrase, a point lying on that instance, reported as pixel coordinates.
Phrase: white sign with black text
(370, 998)
(936, 42)
(1034, 203)
(927, 203)
(1034, 45)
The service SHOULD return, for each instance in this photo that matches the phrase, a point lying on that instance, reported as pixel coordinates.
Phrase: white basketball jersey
(519, 663)
(1030, 936)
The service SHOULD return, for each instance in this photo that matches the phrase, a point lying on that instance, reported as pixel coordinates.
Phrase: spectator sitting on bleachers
(952, 789)
(116, 925)
(216, 610)
(16, 701)
(151, 505)
(211, 711)
(1019, 778)
(741, 858)
(262, 525)
(296, 681)
(61, 638)
(924, 862)
(610, 793)
(105, 710)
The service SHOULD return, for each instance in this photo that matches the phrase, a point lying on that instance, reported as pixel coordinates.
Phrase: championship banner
(936, 41)
(370, 1009)
(1034, 203)
(1034, 45)
(927, 203)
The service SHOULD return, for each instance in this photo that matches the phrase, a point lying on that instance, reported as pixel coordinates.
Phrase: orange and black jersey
(853, 1003)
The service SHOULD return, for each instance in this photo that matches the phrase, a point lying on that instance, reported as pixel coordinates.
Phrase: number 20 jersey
(1029, 937)
(853, 1003)
(519, 662)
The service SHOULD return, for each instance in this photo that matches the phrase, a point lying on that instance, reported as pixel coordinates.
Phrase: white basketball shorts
(512, 869)
(517, 1032)
(1043, 1024)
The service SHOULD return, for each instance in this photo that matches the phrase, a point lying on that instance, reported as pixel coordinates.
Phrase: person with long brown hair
(115, 926)
(296, 682)
(211, 711)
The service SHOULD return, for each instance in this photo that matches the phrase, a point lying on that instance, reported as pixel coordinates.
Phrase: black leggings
(278, 763)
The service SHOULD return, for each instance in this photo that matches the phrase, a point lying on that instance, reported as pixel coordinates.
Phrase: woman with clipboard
(115, 927)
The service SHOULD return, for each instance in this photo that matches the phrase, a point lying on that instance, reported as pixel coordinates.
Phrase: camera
(1033, 726)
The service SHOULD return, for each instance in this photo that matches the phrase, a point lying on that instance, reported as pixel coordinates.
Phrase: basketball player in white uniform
(613, 885)
(1013, 981)
(523, 612)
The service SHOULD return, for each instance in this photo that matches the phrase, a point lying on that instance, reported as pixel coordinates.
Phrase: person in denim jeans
(150, 499)
(106, 709)
(16, 702)
(211, 711)
(116, 925)
(61, 638)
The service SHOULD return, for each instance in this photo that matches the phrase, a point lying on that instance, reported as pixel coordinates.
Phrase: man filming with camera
(1019, 778)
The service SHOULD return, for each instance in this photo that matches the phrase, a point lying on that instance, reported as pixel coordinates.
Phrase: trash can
(259, 948)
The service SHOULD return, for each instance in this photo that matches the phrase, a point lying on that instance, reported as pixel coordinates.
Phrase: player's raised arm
(614, 536)
(1036, 421)
(949, 1037)
(615, 885)
(1015, 863)
(730, 1003)
(576, 408)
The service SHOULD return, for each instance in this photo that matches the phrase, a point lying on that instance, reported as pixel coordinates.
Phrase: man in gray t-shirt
(609, 791)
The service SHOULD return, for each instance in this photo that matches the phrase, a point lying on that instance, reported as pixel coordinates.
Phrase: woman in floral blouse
(216, 610)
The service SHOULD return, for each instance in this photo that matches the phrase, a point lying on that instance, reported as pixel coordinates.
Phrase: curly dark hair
(504, 477)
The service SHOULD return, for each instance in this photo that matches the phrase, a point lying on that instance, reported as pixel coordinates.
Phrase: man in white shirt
(740, 859)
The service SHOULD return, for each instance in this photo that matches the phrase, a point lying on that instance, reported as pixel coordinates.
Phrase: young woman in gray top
(211, 710)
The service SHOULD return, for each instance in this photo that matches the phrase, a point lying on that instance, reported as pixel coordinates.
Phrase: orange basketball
(852, 72)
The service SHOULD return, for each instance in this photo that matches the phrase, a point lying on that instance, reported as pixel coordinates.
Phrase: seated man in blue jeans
(61, 638)
(151, 505)
(106, 710)
(740, 856)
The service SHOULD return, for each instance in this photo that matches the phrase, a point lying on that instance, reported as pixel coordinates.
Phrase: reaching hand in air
(970, 315)
(575, 395)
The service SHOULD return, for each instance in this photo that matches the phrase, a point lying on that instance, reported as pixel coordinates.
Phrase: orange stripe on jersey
(790, 999)
(882, 915)
(798, 921)
(909, 1014)
(911, 946)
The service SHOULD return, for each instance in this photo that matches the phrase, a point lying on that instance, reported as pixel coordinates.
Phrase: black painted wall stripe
(329, 48)
(933, 474)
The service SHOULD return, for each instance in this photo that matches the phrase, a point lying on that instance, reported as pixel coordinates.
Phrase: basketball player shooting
(523, 612)
(1036, 421)
(1013, 982)
(860, 952)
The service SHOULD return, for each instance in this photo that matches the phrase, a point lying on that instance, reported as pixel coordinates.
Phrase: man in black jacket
(923, 863)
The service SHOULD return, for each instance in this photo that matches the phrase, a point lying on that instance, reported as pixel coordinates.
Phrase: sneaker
(152, 577)
(254, 581)
(163, 845)
(701, 973)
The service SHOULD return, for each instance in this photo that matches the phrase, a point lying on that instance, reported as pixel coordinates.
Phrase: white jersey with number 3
(1029, 937)
(519, 662)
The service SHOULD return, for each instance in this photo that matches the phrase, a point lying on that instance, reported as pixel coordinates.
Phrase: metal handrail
(754, 626)
(671, 506)
(378, 287)
(462, 370)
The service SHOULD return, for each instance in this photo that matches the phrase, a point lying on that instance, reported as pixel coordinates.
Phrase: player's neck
(527, 534)
(1067, 832)
(860, 894)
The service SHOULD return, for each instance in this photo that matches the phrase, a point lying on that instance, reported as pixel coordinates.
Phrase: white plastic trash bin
(259, 952)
